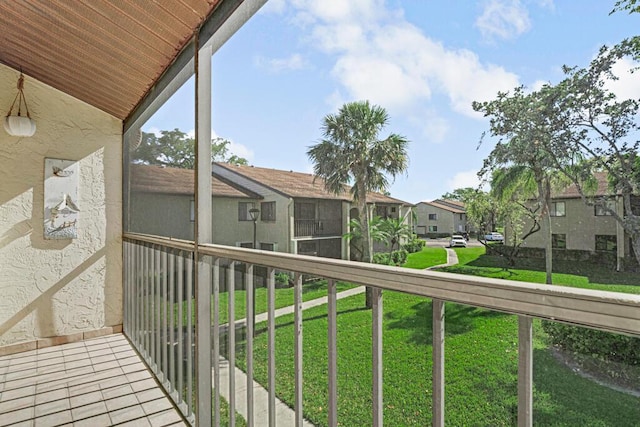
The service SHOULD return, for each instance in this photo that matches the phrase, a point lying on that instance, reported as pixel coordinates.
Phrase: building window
(243, 211)
(433, 217)
(268, 211)
(600, 210)
(268, 246)
(433, 228)
(393, 209)
(248, 245)
(559, 241)
(192, 211)
(461, 217)
(606, 242)
(557, 209)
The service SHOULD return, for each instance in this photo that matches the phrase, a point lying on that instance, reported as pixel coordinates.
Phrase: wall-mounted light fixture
(19, 125)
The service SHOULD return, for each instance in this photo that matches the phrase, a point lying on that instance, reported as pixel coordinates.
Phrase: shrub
(590, 342)
(395, 258)
(414, 245)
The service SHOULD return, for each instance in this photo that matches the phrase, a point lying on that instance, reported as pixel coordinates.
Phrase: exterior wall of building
(53, 288)
(580, 224)
(167, 215)
(444, 219)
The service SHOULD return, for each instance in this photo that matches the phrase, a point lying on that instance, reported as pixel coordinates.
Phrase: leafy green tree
(524, 136)
(630, 6)
(460, 194)
(174, 148)
(351, 152)
(602, 131)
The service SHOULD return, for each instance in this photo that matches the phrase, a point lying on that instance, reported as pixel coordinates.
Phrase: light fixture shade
(19, 126)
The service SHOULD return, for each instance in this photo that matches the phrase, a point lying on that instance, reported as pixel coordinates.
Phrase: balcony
(317, 228)
(160, 320)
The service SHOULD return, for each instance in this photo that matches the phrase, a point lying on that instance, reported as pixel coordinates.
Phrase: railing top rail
(611, 311)
(185, 245)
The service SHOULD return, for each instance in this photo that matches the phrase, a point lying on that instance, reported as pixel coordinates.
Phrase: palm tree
(354, 234)
(351, 151)
(396, 229)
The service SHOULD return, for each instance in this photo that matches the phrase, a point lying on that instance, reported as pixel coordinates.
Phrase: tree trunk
(366, 236)
(544, 194)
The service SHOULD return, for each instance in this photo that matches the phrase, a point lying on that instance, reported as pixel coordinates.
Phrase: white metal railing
(613, 312)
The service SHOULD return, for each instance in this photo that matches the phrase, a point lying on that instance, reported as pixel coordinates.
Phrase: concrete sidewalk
(285, 416)
(452, 259)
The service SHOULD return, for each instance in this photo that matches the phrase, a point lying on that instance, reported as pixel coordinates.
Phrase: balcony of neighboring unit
(317, 227)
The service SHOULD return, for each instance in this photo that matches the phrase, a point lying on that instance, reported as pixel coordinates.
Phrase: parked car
(494, 237)
(457, 240)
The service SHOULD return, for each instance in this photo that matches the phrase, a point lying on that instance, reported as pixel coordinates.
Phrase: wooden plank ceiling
(107, 53)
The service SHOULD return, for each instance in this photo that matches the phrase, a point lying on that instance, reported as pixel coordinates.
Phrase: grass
(474, 261)
(481, 362)
(284, 298)
(481, 369)
(428, 257)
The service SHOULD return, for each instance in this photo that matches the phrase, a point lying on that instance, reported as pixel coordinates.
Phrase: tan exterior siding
(580, 225)
(444, 219)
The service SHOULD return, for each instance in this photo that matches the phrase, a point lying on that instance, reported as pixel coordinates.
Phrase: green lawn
(428, 257)
(474, 261)
(481, 363)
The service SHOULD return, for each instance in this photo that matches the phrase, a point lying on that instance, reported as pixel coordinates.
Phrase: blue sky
(424, 61)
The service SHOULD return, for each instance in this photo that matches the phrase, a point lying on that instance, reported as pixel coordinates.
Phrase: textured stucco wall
(59, 287)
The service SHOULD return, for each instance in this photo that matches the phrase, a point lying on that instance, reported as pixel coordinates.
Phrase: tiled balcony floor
(98, 382)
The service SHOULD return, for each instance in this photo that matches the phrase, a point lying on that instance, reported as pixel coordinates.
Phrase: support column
(203, 234)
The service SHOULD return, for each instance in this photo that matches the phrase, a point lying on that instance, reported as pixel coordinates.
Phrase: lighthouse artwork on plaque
(61, 210)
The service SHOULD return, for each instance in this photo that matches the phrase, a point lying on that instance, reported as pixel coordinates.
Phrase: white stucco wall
(59, 287)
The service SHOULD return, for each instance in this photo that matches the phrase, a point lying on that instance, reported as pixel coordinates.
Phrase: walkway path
(452, 259)
(285, 416)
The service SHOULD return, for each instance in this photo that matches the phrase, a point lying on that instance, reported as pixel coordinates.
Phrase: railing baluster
(271, 303)
(189, 397)
(181, 332)
(525, 371)
(437, 415)
(139, 290)
(297, 316)
(216, 341)
(249, 328)
(163, 312)
(231, 338)
(156, 311)
(376, 340)
(172, 320)
(146, 314)
(333, 353)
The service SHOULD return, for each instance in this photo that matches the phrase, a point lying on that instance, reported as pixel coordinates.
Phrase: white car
(457, 240)
(494, 237)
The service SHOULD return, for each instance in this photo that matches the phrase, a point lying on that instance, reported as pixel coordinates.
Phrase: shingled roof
(158, 179)
(300, 185)
(571, 191)
(454, 206)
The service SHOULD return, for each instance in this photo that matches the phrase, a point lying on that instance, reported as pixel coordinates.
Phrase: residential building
(578, 226)
(296, 213)
(441, 217)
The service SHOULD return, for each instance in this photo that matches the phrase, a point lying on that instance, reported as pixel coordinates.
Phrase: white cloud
(154, 130)
(464, 179)
(505, 19)
(241, 151)
(277, 65)
(381, 57)
(628, 84)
